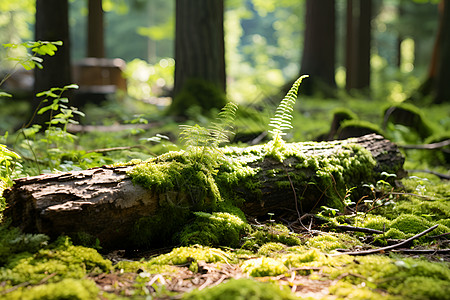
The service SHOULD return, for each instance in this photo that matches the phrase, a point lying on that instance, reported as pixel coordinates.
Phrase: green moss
(69, 288)
(183, 255)
(311, 257)
(242, 289)
(263, 266)
(270, 248)
(214, 229)
(346, 290)
(62, 259)
(329, 242)
(374, 222)
(410, 224)
(276, 233)
(399, 277)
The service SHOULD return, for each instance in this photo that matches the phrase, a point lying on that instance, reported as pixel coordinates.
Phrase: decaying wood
(103, 202)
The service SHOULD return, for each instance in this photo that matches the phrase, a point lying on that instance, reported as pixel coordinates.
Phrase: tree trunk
(318, 60)
(95, 31)
(104, 203)
(359, 17)
(199, 42)
(443, 71)
(52, 24)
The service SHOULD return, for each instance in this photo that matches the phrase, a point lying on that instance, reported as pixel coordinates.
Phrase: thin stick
(373, 251)
(358, 229)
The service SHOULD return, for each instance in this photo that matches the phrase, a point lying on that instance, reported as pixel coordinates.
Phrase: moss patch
(263, 266)
(242, 289)
(214, 229)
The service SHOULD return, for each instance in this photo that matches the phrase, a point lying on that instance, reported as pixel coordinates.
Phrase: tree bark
(52, 24)
(95, 32)
(104, 203)
(199, 42)
(359, 17)
(318, 60)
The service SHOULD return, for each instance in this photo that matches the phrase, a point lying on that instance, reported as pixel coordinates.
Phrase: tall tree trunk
(318, 58)
(443, 68)
(199, 42)
(359, 17)
(199, 57)
(95, 45)
(52, 24)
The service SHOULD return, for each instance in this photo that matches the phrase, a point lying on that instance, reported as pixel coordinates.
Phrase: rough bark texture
(318, 58)
(199, 42)
(104, 203)
(52, 24)
(358, 44)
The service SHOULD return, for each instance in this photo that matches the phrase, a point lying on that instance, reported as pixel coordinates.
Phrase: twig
(104, 150)
(440, 175)
(427, 146)
(358, 229)
(373, 251)
(439, 235)
(423, 251)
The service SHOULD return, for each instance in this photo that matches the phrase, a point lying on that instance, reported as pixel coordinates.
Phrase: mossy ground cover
(272, 259)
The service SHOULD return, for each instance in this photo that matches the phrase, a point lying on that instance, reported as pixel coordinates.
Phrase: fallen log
(107, 203)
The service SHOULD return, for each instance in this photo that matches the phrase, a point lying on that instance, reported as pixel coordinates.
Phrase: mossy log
(104, 202)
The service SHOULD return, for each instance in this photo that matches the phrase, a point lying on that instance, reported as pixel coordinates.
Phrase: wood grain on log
(104, 203)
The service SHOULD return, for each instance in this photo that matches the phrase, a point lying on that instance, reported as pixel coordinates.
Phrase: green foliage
(241, 289)
(8, 162)
(283, 116)
(31, 61)
(14, 242)
(218, 132)
(216, 229)
(56, 137)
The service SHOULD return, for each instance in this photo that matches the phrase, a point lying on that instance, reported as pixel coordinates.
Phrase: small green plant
(56, 134)
(28, 60)
(283, 116)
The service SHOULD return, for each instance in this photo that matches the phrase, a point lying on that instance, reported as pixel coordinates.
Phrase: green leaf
(4, 94)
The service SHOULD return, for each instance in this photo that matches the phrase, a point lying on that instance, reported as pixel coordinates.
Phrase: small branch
(440, 175)
(104, 150)
(388, 248)
(422, 251)
(358, 229)
(439, 235)
(427, 146)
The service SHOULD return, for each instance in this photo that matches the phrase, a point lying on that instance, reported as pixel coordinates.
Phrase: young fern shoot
(283, 116)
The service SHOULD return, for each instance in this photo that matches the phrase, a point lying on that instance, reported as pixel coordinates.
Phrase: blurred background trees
(357, 45)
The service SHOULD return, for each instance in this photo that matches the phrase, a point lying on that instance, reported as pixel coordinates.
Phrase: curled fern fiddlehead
(283, 114)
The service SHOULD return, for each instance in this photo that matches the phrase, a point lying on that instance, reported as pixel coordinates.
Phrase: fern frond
(223, 128)
(283, 115)
(217, 133)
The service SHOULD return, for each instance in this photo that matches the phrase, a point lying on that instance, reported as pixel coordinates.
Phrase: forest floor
(373, 250)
